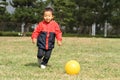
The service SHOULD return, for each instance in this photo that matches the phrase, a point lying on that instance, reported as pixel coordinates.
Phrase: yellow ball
(72, 67)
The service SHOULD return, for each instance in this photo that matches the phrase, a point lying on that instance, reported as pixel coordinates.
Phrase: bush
(14, 34)
(75, 35)
(18, 34)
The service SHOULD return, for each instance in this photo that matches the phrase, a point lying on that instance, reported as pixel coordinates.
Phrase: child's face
(48, 16)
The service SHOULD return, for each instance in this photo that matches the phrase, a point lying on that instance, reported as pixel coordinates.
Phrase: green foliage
(24, 11)
(8, 34)
(3, 4)
(4, 16)
(28, 12)
(64, 11)
(21, 3)
(14, 34)
(24, 14)
(69, 13)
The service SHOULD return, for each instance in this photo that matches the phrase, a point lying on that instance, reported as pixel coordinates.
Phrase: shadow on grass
(35, 65)
(32, 64)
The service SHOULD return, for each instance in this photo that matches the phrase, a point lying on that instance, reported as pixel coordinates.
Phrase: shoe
(43, 66)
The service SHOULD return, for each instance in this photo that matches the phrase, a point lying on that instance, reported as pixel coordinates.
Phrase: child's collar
(48, 22)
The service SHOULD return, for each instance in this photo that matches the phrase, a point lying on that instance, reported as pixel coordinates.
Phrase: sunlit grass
(99, 59)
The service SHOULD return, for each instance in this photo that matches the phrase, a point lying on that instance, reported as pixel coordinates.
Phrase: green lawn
(99, 59)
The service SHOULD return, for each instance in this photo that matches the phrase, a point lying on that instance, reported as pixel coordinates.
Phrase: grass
(99, 59)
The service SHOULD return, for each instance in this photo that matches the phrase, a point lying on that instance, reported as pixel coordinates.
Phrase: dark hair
(49, 9)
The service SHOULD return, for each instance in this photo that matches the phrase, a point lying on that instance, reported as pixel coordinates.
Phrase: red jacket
(45, 34)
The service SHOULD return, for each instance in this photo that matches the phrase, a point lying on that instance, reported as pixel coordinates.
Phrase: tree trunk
(28, 25)
(105, 29)
(93, 29)
(23, 28)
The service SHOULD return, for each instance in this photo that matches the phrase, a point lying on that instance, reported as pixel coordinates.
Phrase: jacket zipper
(47, 38)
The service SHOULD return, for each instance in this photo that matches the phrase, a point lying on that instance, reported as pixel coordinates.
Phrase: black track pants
(44, 55)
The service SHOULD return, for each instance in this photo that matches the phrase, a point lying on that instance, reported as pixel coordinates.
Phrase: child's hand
(34, 41)
(59, 43)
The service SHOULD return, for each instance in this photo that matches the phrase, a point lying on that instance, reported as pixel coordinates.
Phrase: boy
(44, 34)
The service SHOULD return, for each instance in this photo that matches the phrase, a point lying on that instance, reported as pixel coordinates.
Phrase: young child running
(44, 35)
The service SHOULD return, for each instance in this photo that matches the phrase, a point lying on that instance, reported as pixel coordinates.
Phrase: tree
(26, 13)
(85, 15)
(4, 15)
(64, 12)
(98, 11)
(115, 16)
(80, 14)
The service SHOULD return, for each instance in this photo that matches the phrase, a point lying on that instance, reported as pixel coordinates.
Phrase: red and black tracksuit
(45, 34)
